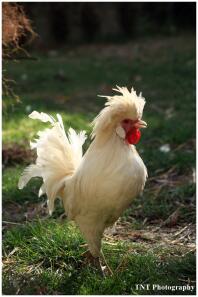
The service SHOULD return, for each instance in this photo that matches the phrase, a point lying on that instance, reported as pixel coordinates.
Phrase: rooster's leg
(93, 235)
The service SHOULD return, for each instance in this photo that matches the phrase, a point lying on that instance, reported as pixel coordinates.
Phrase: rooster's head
(122, 115)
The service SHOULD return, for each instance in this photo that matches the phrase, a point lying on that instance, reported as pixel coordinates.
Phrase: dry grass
(15, 26)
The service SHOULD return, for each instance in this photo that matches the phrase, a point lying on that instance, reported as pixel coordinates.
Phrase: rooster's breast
(109, 178)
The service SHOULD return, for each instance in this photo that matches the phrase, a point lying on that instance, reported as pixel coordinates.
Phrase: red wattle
(133, 136)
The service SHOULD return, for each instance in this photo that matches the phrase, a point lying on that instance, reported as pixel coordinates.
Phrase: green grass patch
(48, 259)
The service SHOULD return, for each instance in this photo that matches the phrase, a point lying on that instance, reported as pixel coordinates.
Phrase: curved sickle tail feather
(58, 156)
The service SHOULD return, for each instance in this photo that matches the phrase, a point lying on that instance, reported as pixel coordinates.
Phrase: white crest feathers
(117, 108)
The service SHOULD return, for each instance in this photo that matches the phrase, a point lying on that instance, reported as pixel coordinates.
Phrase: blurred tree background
(68, 25)
(62, 23)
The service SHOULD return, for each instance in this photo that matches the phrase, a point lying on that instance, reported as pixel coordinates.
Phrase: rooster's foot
(96, 262)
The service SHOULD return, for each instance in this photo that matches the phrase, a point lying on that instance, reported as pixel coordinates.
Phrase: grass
(48, 257)
(43, 255)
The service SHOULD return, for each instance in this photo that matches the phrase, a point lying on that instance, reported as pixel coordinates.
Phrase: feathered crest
(118, 107)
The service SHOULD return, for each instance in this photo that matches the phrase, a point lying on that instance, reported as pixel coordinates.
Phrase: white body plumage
(104, 185)
(97, 187)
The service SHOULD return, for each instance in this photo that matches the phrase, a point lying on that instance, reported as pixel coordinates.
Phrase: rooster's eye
(126, 121)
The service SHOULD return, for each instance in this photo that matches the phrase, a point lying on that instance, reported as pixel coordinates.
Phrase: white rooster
(98, 186)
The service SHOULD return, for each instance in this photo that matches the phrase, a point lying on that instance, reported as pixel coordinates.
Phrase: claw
(104, 270)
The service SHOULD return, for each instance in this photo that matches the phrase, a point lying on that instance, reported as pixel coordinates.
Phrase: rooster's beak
(140, 124)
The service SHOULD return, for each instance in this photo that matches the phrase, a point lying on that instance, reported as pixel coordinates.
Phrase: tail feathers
(44, 117)
(28, 173)
(42, 190)
(58, 156)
